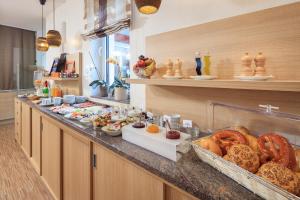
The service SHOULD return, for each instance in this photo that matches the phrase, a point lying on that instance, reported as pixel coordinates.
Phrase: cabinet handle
(94, 161)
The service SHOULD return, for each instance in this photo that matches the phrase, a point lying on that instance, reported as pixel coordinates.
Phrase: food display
(144, 67)
(102, 120)
(269, 156)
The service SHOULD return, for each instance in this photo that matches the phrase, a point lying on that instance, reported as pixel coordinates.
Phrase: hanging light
(53, 36)
(148, 6)
(41, 42)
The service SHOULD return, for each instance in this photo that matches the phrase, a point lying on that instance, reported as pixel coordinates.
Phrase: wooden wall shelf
(62, 79)
(276, 85)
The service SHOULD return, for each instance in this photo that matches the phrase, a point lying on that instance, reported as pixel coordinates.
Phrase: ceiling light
(41, 42)
(53, 36)
(148, 6)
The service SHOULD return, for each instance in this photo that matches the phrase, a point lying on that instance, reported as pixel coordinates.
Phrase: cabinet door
(36, 140)
(26, 129)
(18, 118)
(175, 194)
(76, 166)
(115, 178)
(51, 148)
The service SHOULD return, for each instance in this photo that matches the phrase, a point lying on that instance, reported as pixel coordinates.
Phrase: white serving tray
(157, 143)
(249, 180)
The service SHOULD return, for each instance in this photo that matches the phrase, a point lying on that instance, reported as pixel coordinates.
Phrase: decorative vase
(121, 94)
(103, 91)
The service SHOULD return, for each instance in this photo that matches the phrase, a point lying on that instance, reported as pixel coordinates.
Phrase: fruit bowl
(145, 67)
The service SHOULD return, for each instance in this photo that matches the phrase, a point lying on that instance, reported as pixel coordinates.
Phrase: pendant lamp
(53, 36)
(41, 42)
(148, 6)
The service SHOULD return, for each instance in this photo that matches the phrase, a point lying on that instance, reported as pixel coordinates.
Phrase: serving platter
(172, 77)
(158, 143)
(115, 133)
(253, 78)
(203, 77)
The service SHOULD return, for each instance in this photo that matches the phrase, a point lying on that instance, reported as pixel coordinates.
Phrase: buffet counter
(189, 178)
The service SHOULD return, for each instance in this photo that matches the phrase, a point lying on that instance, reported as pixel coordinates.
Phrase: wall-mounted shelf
(273, 85)
(61, 79)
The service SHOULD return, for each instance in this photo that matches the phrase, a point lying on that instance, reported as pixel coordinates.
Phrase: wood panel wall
(275, 32)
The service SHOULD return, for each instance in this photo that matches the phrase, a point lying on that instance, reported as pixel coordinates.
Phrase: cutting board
(157, 143)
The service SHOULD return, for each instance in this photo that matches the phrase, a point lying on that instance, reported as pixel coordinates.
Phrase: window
(118, 48)
(113, 46)
(17, 58)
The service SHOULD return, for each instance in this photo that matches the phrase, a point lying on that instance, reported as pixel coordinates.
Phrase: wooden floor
(18, 179)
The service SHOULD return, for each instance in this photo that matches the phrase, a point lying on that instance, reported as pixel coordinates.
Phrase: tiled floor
(18, 179)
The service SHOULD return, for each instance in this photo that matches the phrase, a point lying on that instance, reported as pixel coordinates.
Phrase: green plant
(118, 83)
(97, 83)
(100, 82)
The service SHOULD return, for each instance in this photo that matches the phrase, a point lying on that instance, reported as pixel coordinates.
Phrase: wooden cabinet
(18, 120)
(36, 140)
(175, 194)
(26, 129)
(76, 166)
(51, 156)
(114, 179)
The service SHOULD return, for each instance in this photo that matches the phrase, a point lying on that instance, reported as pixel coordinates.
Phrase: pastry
(276, 148)
(297, 155)
(152, 128)
(226, 138)
(242, 130)
(209, 144)
(226, 157)
(243, 156)
(252, 140)
(280, 176)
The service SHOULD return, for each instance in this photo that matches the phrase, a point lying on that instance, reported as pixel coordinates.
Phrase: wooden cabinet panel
(26, 129)
(174, 194)
(51, 151)
(76, 167)
(18, 121)
(36, 140)
(115, 178)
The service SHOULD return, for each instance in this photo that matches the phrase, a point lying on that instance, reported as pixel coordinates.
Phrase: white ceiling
(25, 14)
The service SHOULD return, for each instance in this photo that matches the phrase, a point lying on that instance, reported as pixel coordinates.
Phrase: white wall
(173, 14)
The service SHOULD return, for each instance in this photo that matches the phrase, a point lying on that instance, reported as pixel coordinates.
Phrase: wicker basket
(249, 180)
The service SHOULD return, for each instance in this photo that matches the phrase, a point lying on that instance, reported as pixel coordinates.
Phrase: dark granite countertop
(189, 173)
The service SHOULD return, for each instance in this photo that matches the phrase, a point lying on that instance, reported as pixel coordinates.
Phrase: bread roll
(243, 156)
(252, 140)
(280, 176)
(209, 144)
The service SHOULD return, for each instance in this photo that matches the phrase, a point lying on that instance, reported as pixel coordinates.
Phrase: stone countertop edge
(189, 174)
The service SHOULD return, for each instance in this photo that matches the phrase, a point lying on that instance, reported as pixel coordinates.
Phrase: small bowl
(80, 99)
(69, 99)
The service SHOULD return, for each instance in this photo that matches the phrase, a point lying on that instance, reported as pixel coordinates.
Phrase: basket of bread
(266, 164)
